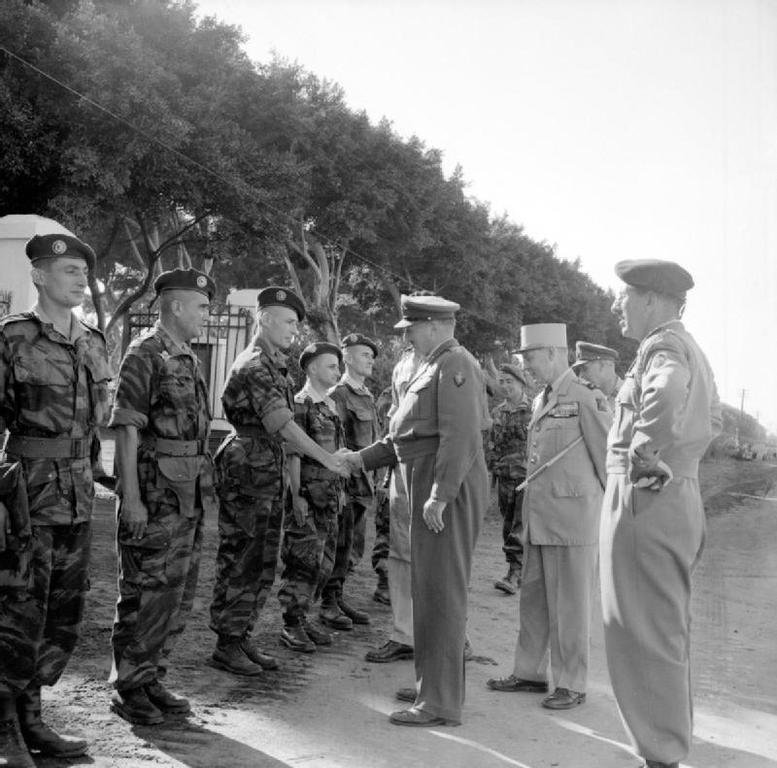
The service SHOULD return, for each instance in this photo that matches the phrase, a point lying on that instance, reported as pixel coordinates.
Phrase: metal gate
(225, 335)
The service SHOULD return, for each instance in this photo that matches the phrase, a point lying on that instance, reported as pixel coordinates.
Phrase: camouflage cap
(317, 348)
(276, 296)
(59, 246)
(185, 280)
(665, 277)
(357, 339)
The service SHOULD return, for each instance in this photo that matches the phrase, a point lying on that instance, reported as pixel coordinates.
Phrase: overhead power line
(236, 183)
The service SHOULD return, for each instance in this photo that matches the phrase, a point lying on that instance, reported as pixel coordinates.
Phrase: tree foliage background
(258, 172)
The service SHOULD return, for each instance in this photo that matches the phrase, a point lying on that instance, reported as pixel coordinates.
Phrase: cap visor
(403, 324)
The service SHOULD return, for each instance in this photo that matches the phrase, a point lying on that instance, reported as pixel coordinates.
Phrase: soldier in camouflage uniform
(162, 420)
(54, 376)
(356, 408)
(380, 549)
(258, 401)
(310, 531)
(506, 459)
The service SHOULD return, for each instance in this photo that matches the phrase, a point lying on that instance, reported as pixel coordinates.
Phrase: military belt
(167, 447)
(29, 447)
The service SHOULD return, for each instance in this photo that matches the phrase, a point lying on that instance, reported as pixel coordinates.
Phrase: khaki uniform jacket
(562, 506)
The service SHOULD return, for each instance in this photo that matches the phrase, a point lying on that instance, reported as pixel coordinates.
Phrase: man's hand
(299, 507)
(433, 515)
(654, 479)
(337, 463)
(5, 525)
(352, 460)
(134, 515)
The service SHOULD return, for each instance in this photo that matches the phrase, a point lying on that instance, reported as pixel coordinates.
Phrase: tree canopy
(174, 148)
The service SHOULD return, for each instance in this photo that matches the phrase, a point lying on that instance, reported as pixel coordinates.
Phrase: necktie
(546, 394)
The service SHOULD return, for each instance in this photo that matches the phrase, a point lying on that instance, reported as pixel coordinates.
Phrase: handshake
(345, 463)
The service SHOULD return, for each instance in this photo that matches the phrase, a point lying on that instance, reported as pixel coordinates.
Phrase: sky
(611, 128)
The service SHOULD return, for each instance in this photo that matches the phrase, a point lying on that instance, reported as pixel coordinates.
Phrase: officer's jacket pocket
(566, 489)
(420, 394)
(362, 427)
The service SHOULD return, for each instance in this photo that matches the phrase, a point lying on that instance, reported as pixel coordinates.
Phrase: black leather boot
(40, 736)
(12, 745)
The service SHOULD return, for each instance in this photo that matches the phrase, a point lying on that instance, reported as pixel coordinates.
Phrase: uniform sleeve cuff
(276, 420)
(126, 417)
(442, 492)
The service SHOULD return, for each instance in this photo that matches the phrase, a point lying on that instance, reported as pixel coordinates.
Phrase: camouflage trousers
(308, 554)
(249, 539)
(157, 581)
(380, 549)
(348, 537)
(510, 504)
(42, 594)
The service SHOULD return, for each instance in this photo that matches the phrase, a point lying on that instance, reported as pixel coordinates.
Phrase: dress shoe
(166, 701)
(513, 684)
(510, 583)
(135, 707)
(416, 717)
(354, 614)
(331, 616)
(12, 746)
(563, 698)
(406, 694)
(230, 656)
(297, 639)
(38, 735)
(657, 764)
(251, 648)
(318, 636)
(390, 651)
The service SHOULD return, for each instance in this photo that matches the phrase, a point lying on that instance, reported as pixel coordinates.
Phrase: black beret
(56, 246)
(356, 339)
(515, 372)
(312, 351)
(665, 277)
(276, 296)
(587, 353)
(185, 280)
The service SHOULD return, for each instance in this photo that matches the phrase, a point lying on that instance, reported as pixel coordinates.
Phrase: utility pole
(741, 415)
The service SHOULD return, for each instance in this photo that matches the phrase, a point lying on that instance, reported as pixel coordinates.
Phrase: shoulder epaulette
(19, 317)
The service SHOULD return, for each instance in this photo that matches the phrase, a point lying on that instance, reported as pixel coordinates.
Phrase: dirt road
(329, 709)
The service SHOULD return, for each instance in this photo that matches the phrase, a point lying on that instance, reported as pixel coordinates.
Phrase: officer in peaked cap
(435, 436)
(275, 296)
(596, 363)
(419, 309)
(647, 559)
(41, 247)
(185, 280)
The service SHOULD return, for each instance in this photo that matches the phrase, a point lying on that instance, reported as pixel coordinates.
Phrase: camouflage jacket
(54, 386)
(162, 393)
(359, 417)
(258, 401)
(506, 447)
(318, 418)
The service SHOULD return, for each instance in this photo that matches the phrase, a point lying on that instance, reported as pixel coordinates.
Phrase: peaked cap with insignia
(359, 339)
(665, 277)
(58, 246)
(277, 296)
(587, 353)
(185, 280)
(420, 309)
(317, 348)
